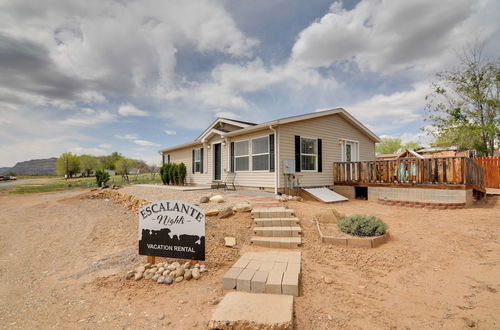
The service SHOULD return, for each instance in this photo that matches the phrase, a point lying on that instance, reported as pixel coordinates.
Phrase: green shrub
(171, 173)
(101, 178)
(181, 173)
(362, 225)
(165, 173)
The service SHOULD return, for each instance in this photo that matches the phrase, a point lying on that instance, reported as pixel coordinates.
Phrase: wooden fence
(491, 167)
(446, 171)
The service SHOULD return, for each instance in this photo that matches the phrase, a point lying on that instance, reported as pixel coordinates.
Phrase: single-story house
(305, 147)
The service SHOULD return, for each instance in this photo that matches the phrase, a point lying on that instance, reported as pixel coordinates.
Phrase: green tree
(109, 161)
(68, 164)
(388, 146)
(88, 164)
(123, 167)
(464, 107)
(411, 145)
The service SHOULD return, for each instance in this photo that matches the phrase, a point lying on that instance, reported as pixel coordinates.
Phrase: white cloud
(390, 35)
(105, 145)
(131, 110)
(229, 82)
(87, 151)
(4, 121)
(423, 138)
(146, 143)
(90, 118)
(382, 112)
(126, 136)
(170, 132)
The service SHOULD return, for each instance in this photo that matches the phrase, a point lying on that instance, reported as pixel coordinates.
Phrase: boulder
(212, 213)
(204, 199)
(217, 199)
(196, 273)
(230, 241)
(226, 213)
(242, 207)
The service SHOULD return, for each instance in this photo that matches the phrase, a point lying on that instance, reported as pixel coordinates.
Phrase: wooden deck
(446, 172)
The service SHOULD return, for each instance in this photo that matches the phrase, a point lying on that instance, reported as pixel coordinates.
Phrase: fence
(491, 167)
(445, 170)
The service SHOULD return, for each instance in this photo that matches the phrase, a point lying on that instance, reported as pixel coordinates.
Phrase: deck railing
(445, 170)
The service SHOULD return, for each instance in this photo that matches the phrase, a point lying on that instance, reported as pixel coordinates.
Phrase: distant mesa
(33, 167)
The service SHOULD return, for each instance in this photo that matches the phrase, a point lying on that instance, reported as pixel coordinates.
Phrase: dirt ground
(63, 258)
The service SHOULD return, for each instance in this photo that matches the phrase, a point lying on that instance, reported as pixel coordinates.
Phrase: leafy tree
(109, 161)
(123, 167)
(68, 164)
(411, 146)
(88, 164)
(388, 146)
(464, 107)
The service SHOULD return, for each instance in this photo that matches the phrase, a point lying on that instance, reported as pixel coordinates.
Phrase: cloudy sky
(134, 76)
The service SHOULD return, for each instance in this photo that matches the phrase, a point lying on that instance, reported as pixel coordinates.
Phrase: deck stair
(276, 227)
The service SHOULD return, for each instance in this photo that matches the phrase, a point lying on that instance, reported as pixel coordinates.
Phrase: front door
(217, 161)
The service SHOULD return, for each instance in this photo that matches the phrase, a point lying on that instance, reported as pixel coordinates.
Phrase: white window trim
(247, 155)
(197, 161)
(343, 158)
(316, 155)
(261, 154)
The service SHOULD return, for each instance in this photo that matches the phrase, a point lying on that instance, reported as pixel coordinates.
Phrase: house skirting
(413, 194)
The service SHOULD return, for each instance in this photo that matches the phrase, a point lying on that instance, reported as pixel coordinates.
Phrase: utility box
(289, 166)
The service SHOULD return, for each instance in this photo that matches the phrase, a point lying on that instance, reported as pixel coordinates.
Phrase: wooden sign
(172, 229)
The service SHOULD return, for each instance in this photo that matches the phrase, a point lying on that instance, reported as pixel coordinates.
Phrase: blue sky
(135, 76)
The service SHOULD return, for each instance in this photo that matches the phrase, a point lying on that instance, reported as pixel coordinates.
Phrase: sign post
(172, 229)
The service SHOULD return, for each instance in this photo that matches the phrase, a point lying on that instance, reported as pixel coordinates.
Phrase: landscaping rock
(230, 241)
(179, 279)
(242, 207)
(226, 213)
(130, 275)
(212, 213)
(204, 199)
(137, 276)
(328, 280)
(168, 280)
(161, 279)
(187, 265)
(180, 272)
(217, 199)
(165, 273)
(298, 198)
(140, 269)
(156, 277)
(187, 274)
(196, 273)
(149, 276)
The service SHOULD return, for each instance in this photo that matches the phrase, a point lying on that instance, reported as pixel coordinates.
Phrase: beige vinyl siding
(330, 129)
(186, 156)
(263, 179)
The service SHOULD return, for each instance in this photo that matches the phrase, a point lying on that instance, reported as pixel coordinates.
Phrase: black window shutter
(193, 161)
(231, 157)
(320, 156)
(163, 158)
(297, 153)
(168, 159)
(201, 160)
(271, 153)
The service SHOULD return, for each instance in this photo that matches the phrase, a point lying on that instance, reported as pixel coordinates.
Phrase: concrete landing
(240, 310)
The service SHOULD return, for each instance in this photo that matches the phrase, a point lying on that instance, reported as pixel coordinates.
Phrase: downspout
(276, 160)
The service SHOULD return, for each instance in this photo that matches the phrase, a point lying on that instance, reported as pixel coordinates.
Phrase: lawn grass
(60, 184)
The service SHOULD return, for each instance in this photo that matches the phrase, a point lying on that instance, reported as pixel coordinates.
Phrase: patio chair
(229, 180)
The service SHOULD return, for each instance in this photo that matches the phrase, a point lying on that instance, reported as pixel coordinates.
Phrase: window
(197, 160)
(308, 154)
(260, 154)
(241, 156)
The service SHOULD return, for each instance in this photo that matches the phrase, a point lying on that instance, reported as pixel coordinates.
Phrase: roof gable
(223, 126)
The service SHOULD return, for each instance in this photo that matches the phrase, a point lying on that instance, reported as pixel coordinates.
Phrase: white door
(351, 151)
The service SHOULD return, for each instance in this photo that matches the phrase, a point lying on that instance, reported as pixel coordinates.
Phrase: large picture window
(308, 154)
(241, 157)
(260, 154)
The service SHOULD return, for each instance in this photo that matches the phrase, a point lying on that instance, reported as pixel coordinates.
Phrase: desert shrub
(362, 225)
(171, 173)
(101, 178)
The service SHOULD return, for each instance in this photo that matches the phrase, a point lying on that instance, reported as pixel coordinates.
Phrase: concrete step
(272, 212)
(270, 222)
(241, 310)
(276, 242)
(278, 231)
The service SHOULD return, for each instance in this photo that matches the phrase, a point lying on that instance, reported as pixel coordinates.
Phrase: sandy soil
(63, 258)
